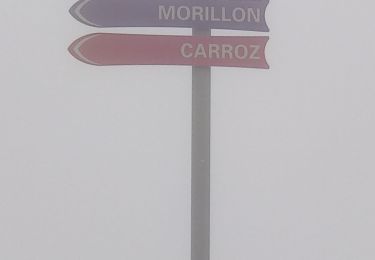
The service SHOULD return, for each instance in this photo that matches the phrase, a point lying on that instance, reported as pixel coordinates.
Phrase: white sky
(95, 161)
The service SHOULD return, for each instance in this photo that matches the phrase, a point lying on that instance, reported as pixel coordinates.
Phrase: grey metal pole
(200, 165)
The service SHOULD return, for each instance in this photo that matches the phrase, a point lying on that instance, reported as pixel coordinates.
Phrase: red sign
(128, 49)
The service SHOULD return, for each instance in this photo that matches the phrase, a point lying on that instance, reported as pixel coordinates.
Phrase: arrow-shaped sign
(211, 14)
(129, 49)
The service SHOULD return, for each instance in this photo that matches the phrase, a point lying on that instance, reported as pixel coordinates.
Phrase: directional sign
(130, 49)
(213, 14)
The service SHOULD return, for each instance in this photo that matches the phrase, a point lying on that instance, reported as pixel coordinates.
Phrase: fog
(95, 161)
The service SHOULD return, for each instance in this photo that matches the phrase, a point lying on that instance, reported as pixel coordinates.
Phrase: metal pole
(200, 165)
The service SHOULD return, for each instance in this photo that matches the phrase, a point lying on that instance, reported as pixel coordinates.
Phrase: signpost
(200, 159)
(200, 51)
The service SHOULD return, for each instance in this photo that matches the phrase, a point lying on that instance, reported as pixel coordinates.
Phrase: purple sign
(246, 15)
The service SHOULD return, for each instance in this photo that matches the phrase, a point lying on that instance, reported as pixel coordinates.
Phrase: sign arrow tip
(76, 52)
(76, 12)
